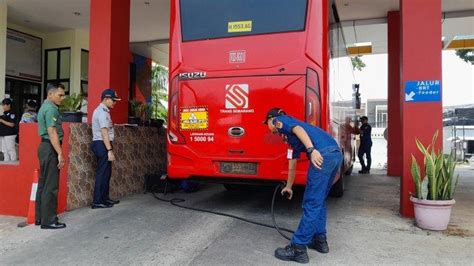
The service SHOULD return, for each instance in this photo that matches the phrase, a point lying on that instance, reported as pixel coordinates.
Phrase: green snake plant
(439, 181)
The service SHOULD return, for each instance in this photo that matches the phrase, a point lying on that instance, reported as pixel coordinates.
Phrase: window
(213, 19)
(58, 67)
(84, 71)
(381, 116)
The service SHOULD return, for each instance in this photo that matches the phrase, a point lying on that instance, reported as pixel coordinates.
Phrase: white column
(3, 45)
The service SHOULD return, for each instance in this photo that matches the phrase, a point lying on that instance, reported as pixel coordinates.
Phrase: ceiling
(363, 20)
(367, 9)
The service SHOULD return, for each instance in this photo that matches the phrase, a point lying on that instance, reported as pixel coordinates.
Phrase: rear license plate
(238, 168)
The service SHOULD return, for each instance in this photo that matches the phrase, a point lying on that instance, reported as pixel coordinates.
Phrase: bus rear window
(212, 19)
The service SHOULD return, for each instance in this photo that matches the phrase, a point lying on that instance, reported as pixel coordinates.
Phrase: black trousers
(365, 148)
(48, 184)
(103, 172)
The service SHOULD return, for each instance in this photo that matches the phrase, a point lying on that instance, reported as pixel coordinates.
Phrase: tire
(337, 190)
(349, 171)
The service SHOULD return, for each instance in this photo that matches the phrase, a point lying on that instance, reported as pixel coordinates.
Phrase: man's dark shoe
(56, 225)
(320, 244)
(292, 253)
(111, 201)
(362, 172)
(101, 205)
(38, 222)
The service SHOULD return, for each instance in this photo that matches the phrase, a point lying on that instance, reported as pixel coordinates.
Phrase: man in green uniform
(50, 157)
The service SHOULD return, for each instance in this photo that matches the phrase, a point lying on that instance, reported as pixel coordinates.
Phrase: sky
(458, 79)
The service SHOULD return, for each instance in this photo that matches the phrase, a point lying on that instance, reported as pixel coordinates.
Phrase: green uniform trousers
(48, 184)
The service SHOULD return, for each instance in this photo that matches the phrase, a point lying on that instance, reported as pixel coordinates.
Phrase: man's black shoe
(111, 201)
(320, 244)
(56, 225)
(38, 222)
(362, 172)
(292, 253)
(101, 205)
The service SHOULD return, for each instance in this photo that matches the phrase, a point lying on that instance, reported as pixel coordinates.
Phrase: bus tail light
(173, 132)
(313, 98)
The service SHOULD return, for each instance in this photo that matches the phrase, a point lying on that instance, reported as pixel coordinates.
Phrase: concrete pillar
(109, 54)
(3, 46)
(420, 61)
(394, 149)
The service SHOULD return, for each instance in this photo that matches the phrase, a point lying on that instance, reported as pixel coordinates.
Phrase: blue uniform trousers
(318, 185)
(103, 172)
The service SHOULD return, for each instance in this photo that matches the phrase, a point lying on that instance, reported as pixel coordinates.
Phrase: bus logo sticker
(238, 56)
(239, 26)
(194, 118)
(237, 96)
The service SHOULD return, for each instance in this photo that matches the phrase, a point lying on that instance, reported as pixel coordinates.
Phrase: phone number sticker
(202, 137)
(194, 118)
(239, 26)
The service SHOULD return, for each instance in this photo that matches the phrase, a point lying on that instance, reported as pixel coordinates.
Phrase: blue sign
(423, 91)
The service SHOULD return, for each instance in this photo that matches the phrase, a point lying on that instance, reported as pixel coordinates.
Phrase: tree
(159, 92)
(467, 55)
(357, 63)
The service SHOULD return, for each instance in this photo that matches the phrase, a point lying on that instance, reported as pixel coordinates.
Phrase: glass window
(84, 65)
(65, 64)
(228, 18)
(52, 66)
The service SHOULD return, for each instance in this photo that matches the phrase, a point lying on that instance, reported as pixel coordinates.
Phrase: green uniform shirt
(48, 116)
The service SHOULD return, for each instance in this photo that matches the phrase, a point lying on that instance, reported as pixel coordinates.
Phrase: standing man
(50, 157)
(365, 147)
(8, 131)
(325, 159)
(102, 139)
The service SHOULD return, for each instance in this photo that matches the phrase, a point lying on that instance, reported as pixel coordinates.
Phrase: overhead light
(77, 13)
(462, 42)
(146, 3)
(346, 4)
(360, 48)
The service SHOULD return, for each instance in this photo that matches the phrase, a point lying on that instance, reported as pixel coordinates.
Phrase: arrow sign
(422, 91)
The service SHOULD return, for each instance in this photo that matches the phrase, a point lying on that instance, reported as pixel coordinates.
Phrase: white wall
(74, 39)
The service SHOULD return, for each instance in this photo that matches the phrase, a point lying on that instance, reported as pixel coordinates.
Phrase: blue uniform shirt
(321, 140)
(366, 134)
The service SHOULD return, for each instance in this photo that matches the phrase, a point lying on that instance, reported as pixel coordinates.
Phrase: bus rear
(231, 61)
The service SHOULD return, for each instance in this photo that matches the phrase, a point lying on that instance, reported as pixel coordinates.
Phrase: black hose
(176, 202)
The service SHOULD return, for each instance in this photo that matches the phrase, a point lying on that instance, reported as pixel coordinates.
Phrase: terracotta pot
(432, 214)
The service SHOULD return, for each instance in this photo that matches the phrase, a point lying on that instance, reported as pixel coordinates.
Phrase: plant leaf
(424, 188)
(415, 172)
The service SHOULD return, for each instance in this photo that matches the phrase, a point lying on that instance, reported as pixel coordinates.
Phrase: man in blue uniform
(102, 139)
(325, 159)
(365, 147)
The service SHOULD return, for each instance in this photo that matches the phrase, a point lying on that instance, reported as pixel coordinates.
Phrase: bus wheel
(337, 190)
(349, 170)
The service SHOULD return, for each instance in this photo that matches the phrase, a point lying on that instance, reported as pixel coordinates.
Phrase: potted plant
(70, 108)
(137, 112)
(434, 192)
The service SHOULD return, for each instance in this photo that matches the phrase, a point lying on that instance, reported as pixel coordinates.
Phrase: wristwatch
(310, 150)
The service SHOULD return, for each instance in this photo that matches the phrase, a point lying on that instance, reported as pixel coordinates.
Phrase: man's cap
(110, 93)
(31, 103)
(7, 101)
(274, 112)
(364, 118)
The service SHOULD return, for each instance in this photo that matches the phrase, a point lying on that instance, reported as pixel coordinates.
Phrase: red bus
(231, 61)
